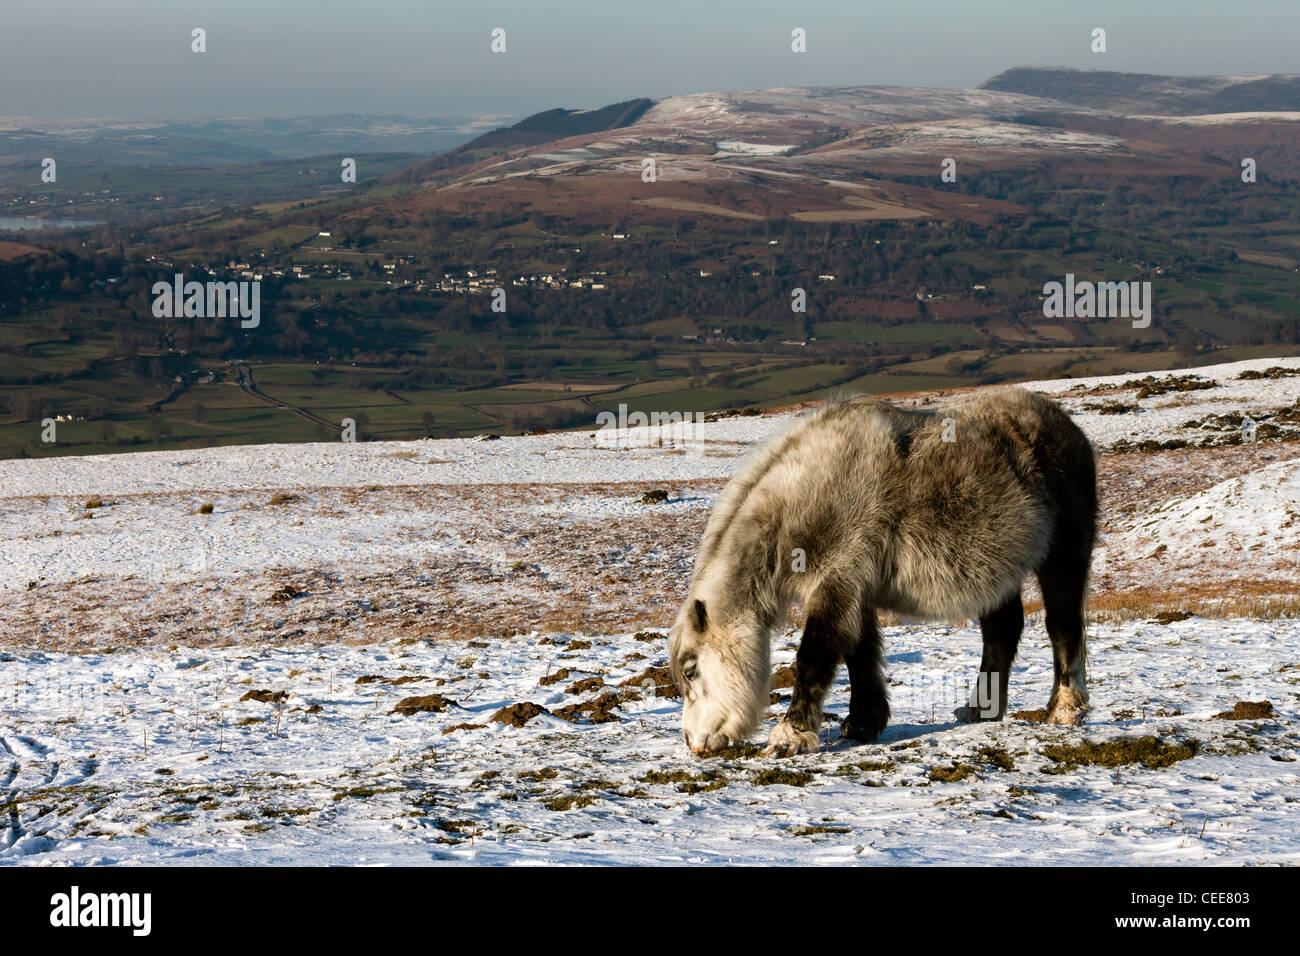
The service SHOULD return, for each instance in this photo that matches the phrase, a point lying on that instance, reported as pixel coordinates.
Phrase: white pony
(864, 507)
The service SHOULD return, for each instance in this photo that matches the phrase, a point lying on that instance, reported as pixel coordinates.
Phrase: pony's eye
(689, 669)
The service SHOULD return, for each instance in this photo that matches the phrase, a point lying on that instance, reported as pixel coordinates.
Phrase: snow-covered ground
(1174, 414)
(1254, 518)
(148, 529)
(150, 756)
(755, 149)
(131, 629)
(710, 451)
(992, 135)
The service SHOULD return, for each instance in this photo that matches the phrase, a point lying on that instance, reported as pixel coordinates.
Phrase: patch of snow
(755, 149)
(152, 756)
(1255, 517)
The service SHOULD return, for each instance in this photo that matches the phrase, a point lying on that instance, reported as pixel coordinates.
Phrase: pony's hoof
(1068, 708)
(863, 731)
(786, 741)
(973, 715)
(1069, 717)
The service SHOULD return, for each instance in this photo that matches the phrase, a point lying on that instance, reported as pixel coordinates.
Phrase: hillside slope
(1152, 94)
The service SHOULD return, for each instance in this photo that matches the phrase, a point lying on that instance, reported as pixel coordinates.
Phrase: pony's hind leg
(1064, 582)
(869, 703)
(1001, 629)
(830, 630)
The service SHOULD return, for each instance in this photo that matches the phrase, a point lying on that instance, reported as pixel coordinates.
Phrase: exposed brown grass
(553, 575)
(1236, 597)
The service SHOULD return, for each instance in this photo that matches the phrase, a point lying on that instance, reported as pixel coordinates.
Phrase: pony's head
(720, 663)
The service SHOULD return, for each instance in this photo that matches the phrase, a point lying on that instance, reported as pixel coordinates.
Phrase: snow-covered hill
(329, 582)
(156, 757)
(344, 516)
(1251, 520)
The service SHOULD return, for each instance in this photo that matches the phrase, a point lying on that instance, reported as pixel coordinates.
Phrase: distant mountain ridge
(225, 141)
(1152, 94)
(559, 123)
(544, 127)
(852, 154)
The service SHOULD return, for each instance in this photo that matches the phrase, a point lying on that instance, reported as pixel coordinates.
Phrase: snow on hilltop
(582, 456)
(588, 456)
(321, 669)
(1253, 518)
(149, 531)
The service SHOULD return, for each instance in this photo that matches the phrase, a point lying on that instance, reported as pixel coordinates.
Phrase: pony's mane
(759, 464)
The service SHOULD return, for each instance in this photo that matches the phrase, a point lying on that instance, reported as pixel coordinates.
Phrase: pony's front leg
(825, 636)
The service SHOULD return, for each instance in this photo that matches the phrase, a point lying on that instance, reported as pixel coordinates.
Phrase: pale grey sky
(132, 58)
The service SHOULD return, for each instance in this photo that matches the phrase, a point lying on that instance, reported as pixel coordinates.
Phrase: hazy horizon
(64, 59)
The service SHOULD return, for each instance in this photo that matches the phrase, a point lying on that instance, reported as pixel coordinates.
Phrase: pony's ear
(701, 616)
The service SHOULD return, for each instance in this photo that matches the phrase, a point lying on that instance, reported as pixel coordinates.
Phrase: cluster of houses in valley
(719, 336)
(468, 282)
(552, 280)
(239, 269)
(398, 274)
(475, 281)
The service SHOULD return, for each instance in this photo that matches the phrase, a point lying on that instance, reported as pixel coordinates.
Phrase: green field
(78, 338)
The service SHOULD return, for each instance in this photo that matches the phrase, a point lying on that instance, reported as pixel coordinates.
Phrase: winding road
(249, 387)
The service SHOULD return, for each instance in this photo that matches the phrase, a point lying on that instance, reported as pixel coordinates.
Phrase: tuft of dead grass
(1216, 598)
(1248, 710)
(953, 774)
(1152, 752)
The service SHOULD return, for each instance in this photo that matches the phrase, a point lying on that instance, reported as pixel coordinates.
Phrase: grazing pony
(861, 507)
